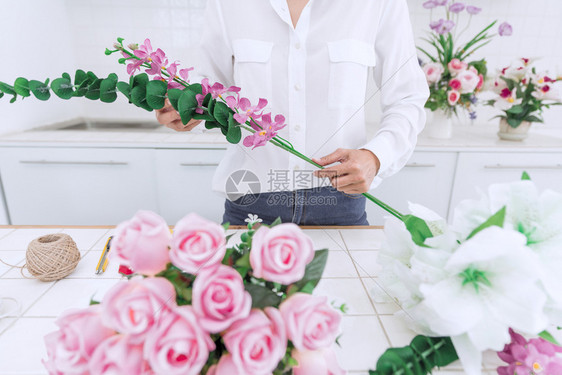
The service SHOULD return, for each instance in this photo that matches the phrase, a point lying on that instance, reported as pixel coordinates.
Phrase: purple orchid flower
(473, 10)
(143, 53)
(217, 89)
(158, 61)
(505, 29)
(265, 130)
(441, 2)
(430, 4)
(456, 7)
(530, 357)
(245, 108)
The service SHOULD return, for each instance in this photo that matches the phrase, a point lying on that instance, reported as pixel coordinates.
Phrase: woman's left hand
(354, 174)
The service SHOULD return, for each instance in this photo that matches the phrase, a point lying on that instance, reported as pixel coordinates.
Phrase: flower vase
(509, 133)
(439, 124)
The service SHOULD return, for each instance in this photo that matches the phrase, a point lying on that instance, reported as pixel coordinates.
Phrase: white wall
(55, 34)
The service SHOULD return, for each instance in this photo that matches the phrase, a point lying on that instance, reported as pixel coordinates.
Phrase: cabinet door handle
(417, 165)
(199, 164)
(522, 167)
(61, 162)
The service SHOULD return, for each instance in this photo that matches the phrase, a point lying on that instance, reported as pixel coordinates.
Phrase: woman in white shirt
(311, 60)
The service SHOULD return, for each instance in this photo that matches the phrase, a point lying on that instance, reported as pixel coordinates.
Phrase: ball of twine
(52, 257)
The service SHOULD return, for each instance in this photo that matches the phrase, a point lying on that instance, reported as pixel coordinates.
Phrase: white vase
(439, 124)
(509, 133)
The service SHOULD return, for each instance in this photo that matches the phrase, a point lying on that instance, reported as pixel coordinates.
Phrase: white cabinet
(427, 179)
(3, 209)
(184, 183)
(480, 170)
(73, 186)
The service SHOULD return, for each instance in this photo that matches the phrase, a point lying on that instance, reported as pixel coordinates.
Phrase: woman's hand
(356, 172)
(170, 118)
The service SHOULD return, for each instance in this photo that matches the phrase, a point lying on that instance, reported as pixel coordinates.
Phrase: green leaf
(187, 104)
(138, 98)
(203, 116)
(221, 113)
(275, 222)
(66, 76)
(124, 88)
(234, 134)
(418, 228)
(1, 94)
(314, 270)
(81, 80)
(532, 118)
(156, 94)
(93, 88)
(514, 122)
(525, 176)
(262, 296)
(545, 335)
(212, 125)
(196, 88)
(516, 110)
(244, 261)
(62, 87)
(173, 97)
(496, 219)
(21, 86)
(108, 86)
(140, 80)
(40, 90)
(7, 88)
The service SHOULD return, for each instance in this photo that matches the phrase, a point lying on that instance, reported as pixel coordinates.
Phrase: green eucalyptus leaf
(497, 219)
(221, 113)
(138, 97)
(262, 296)
(140, 80)
(196, 88)
(203, 116)
(94, 89)
(7, 88)
(174, 96)
(234, 134)
(156, 94)
(62, 87)
(40, 90)
(81, 80)
(212, 125)
(187, 104)
(108, 93)
(66, 76)
(124, 88)
(13, 100)
(1, 94)
(21, 87)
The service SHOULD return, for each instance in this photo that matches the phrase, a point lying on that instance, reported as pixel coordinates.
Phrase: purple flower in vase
(442, 26)
(430, 4)
(505, 29)
(473, 115)
(456, 7)
(441, 2)
(473, 10)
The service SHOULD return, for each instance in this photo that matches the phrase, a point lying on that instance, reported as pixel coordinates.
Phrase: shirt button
(298, 46)
(298, 87)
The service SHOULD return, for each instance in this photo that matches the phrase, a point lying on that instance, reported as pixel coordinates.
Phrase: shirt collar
(282, 9)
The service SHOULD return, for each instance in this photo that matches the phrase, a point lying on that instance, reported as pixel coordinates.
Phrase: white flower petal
(469, 355)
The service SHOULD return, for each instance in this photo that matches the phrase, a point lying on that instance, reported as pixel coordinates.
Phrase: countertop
(465, 138)
(369, 327)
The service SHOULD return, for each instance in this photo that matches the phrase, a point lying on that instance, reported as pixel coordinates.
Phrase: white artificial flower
(433, 72)
(537, 216)
(252, 219)
(548, 92)
(469, 81)
(492, 286)
(505, 101)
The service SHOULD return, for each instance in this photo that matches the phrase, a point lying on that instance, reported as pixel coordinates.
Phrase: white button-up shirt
(315, 74)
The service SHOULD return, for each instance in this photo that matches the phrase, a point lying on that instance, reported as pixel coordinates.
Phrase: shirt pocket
(350, 60)
(252, 67)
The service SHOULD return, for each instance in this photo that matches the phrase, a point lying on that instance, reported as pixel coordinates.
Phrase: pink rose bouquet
(212, 308)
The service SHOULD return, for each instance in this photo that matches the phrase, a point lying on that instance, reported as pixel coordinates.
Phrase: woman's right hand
(170, 118)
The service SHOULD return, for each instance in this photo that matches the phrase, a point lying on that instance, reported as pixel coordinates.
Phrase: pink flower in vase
(143, 54)
(317, 362)
(453, 97)
(456, 66)
(469, 81)
(455, 84)
(505, 29)
(225, 366)
(535, 356)
(245, 108)
(472, 10)
(433, 72)
(70, 348)
(265, 130)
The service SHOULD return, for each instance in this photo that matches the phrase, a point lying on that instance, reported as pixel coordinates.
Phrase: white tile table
(350, 277)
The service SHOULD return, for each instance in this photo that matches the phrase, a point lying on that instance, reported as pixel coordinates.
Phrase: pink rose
(70, 348)
(280, 254)
(219, 298)
(453, 97)
(197, 243)
(318, 362)
(258, 342)
(225, 366)
(142, 243)
(469, 81)
(118, 355)
(310, 321)
(433, 72)
(455, 84)
(456, 66)
(178, 345)
(133, 307)
(480, 82)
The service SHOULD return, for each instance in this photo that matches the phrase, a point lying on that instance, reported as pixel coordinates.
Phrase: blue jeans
(319, 206)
